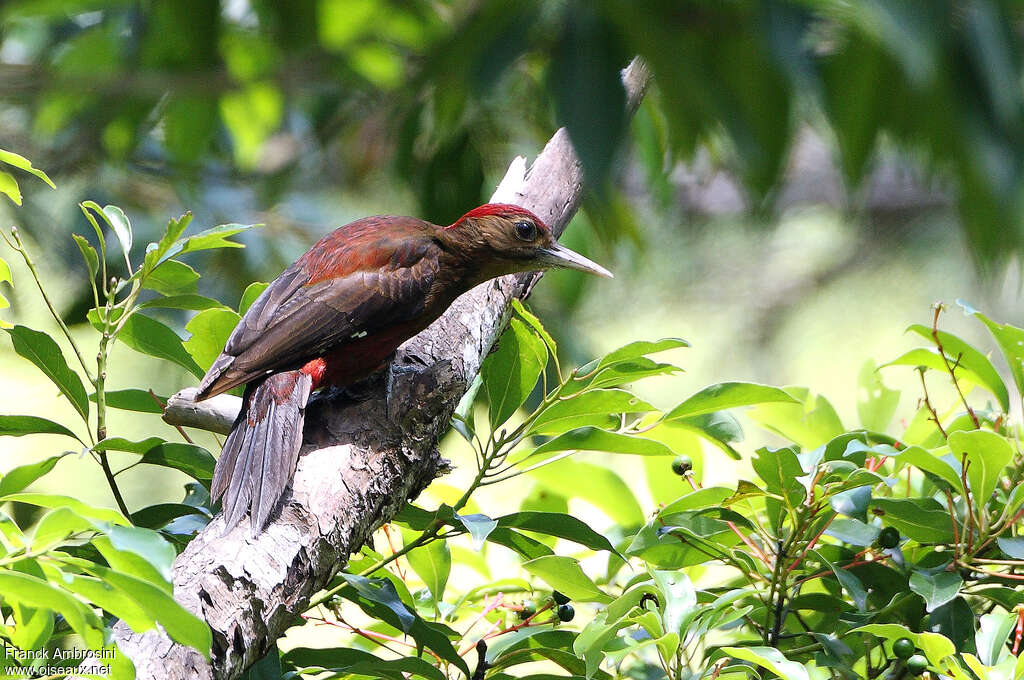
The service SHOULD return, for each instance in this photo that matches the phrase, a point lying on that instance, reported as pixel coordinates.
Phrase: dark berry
(559, 598)
(681, 465)
(566, 612)
(917, 664)
(903, 648)
(889, 537)
(528, 610)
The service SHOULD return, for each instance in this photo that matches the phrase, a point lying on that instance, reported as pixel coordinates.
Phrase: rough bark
(361, 459)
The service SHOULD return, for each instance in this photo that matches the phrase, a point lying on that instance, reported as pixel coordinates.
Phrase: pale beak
(561, 257)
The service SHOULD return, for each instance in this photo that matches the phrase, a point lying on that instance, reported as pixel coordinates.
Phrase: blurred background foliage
(802, 180)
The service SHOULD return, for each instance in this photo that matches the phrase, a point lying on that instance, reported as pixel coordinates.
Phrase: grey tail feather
(260, 453)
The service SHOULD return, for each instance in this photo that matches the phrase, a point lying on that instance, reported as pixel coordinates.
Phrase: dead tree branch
(361, 460)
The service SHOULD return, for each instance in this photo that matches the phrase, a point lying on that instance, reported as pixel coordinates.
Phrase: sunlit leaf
(512, 370)
(210, 331)
(771, 659)
(728, 395)
(987, 455)
(148, 336)
(194, 461)
(22, 163)
(43, 351)
(16, 426)
(936, 589)
(565, 575)
(18, 478)
(133, 400)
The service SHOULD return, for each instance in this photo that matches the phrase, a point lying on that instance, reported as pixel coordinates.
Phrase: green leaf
(172, 277)
(595, 484)
(1012, 547)
(512, 370)
(853, 531)
(936, 589)
(593, 439)
(147, 544)
(1010, 340)
(993, 630)
(780, 470)
(565, 575)
(720, 429)
(853, 585)
(121, 444)
(194, 461)
(382, 591)
(698, 499)
(5, 277)
(987, 455)
(56, 526)
(117, 221)
(433, 564)
(876, 403)
(921, 519)
(155, 251)
(534, 323)
(34, 592)
(522, 544)
(20, 477)
(728, 395)
(156, 516)
(148, 336)
(679, 604)
(341, 661)
(181, 625)
(133, 400)
(810, 423)
(215, 237)
(936, 647)
(929, 462)
(559, 525)
(22, 163)
(771, 659)
(132, 563)
(640, 348)
(210, 331)
(617, 374)
(929, 357)
(191, 302)
(47, 500)
(32, 626)
(249, 295)
(92, 260)
(9, 186)
(110, 599)
(43, 351)
(962, 354)
(17, 426)
(592, 407)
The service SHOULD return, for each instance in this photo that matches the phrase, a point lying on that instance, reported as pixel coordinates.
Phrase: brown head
(499, 238)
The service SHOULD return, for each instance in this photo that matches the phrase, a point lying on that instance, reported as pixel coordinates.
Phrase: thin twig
(951, 369)
(928, 405)
(20, 248)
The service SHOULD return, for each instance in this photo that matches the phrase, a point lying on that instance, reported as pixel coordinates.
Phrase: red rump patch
(498, 209)
(315, 369)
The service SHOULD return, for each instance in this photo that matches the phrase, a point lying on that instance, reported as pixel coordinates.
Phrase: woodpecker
(338, 314)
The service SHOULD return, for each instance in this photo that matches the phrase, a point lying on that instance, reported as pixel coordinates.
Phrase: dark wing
(294, 321)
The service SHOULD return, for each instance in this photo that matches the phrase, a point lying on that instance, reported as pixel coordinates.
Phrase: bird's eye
(526, 231)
